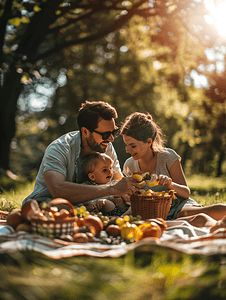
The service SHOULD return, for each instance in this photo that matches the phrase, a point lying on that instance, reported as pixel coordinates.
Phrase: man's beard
(94, 146)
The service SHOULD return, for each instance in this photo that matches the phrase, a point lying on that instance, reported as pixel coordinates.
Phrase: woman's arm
(177, 182)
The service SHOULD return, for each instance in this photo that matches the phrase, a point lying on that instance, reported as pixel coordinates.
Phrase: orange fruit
(153, 231)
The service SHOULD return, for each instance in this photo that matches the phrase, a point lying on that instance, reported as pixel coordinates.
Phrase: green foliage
(135, 55)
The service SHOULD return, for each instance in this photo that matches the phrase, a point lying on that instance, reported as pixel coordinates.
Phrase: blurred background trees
(136, 55)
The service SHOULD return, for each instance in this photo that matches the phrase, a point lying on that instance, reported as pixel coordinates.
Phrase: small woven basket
(54, 228)
(151, 207)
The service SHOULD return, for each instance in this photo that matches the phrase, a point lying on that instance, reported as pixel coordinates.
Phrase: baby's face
(103, 172)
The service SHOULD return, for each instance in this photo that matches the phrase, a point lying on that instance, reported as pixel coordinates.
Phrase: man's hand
(126, 185)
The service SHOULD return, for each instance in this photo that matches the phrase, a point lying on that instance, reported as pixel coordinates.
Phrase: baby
(98, 169)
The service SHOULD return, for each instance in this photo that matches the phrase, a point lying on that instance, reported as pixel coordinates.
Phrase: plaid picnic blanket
(179, 236)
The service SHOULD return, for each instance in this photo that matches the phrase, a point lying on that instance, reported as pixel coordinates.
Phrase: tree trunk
(9, 94)
(219, 164)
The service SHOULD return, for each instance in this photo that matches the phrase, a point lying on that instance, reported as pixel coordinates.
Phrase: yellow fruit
(160, 193)
(128, 231)
(119, 221)
(152, 183)
(148, 193)
(142, 183)
(146, 176)
(138, 177)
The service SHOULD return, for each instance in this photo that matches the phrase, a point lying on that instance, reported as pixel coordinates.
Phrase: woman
(145, 143)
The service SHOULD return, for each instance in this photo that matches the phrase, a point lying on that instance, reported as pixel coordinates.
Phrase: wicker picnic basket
(154, 206)
(54, 228)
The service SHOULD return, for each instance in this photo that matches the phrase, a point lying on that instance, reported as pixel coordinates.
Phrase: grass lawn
(158, 275)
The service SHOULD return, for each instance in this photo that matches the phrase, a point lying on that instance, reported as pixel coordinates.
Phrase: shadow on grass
(145, 275)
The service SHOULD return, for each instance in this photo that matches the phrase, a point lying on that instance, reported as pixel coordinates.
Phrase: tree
(34, 31)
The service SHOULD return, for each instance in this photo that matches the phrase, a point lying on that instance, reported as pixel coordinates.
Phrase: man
(61, 168)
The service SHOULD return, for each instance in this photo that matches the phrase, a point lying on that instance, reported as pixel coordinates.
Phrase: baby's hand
(119, 201)
(90, 206)
(100, 203)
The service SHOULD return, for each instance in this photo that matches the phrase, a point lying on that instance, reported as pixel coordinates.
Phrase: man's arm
(77, 193)
(117, 176)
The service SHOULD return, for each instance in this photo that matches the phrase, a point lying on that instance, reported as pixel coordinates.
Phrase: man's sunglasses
(107, 134)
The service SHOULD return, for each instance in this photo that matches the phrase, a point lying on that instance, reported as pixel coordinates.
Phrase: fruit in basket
(152, 183)
(61, 203)
(63, 213)
(14, 218)
(30, 209)
(147, 193)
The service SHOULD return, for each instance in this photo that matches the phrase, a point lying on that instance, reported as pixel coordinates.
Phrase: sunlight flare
(217, 15)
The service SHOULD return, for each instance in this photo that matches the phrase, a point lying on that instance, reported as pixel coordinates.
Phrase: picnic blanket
(179, 236)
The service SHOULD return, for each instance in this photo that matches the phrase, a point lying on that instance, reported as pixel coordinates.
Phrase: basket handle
(62, 201)
(172, 193)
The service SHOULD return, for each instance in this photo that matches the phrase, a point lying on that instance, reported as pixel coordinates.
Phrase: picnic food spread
(60, 219)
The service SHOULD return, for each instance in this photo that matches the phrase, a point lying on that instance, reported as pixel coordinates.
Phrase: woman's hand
(165, 180)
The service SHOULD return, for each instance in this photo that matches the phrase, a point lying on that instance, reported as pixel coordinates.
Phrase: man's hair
(91, 113)
(90, 160)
